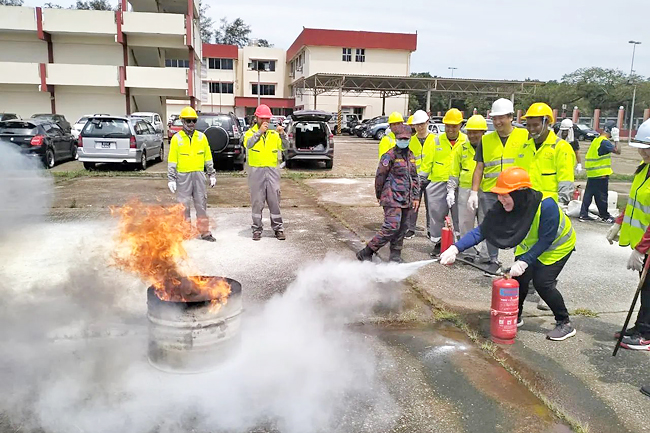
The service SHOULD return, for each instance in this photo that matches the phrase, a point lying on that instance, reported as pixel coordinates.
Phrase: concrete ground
(432, 375)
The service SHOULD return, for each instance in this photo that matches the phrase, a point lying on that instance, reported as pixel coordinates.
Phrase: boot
(395, 256)
(365, 254)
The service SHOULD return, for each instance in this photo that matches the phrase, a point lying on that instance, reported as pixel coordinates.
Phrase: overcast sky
(492, 39)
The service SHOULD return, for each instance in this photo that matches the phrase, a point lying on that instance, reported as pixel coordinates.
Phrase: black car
(225, 137)
(580, 131)
(40, 138)
(59, 119)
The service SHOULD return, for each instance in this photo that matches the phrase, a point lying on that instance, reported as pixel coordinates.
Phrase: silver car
(119, 139)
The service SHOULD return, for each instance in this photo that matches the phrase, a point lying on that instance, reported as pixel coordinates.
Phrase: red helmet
(263, 111)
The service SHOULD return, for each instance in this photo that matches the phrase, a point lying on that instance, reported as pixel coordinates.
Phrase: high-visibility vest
(563, 244)
(189, 155)
(264, 153)
(438, 157)
(637, 211)
(596, 165)
(463, 164)
(427, 149)
(497, 157)
(386, 143)
(548, 166)
(418, 150)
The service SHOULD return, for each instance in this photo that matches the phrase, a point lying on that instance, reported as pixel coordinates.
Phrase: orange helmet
(510, 179)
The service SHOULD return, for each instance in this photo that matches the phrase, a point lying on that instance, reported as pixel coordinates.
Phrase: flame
(150, 244)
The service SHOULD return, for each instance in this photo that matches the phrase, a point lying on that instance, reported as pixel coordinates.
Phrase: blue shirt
(606, 147)
(549, 221)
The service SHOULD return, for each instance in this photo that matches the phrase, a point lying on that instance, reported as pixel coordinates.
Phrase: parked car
(39, 138)
(225, 137)
(174, 127)
(153, 118)
(8, 116)
(583, 132)
(79, 124)
(243, 125)
(310, 138)
(359, 128)
(59, 119)
(119, 139)
(348, 121)
(490, 126)
(378, 129)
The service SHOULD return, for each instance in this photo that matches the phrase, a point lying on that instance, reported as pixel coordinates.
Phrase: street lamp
(629, 134)
(452, 70)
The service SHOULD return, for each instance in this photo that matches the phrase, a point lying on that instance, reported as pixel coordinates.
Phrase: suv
(224, 135)
(378, 128)
(310, 138)
(39, 138)
(8, 116)
(59, 119)
(119, 139)
(153, 118)
(348, 121)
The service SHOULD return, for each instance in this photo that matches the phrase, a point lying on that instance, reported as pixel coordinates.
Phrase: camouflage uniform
(397, 185)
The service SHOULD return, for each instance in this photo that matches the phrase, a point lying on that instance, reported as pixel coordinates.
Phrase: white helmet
(642, 137)
(502, 106)
(566, 124)
(420, 116)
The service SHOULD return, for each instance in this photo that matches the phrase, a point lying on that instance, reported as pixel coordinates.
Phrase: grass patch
(586, 312)
(615, 177)
(74, 174)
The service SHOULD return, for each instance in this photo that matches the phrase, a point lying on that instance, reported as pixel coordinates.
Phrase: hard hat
(510, 179)
(420, 116)
(453, 117)
(188, 113)
(402, 131)
(476, 123)
(609, 126)
(263, 112)
(566, 124)
(395, 117)
(539, 109)
(502, 106)
(409, 121)
(642, 138)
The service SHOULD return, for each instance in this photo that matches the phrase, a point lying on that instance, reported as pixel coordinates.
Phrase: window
(220, 63)
(361, 55)
(261, 65)
(265, 89)
(221, 87)
(347, 54)
(177, 63)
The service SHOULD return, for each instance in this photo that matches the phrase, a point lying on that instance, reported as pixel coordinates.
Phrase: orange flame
(150, 244)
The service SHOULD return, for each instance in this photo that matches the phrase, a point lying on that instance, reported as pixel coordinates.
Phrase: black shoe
(208, 237)
(395, 256)
(645, 389)
(586, 218)
(492, 269)
(279, 235)
(520, 322)
(257, 236)
(436, 250)
(409, 234)
(609, 220)
(365, 255)
(628, 332)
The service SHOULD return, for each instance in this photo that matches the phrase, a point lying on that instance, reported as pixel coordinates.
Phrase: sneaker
(561, 332)
(208, 237)
(636, 342)
(436, 250)
(279, 235)
(586, 218)
(609, 220)
(409, 234)
(541, 305)
(628, 332)
(520, 322)
(257, 236)
(492, 269)
(645, 390)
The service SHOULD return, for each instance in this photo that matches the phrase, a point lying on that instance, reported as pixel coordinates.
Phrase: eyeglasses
(189, 120)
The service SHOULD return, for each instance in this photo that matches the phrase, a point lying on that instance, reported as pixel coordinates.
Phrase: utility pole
(452, 76)
(629, 134)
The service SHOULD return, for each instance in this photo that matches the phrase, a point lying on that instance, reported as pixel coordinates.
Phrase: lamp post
(452, 76)
(629, 134)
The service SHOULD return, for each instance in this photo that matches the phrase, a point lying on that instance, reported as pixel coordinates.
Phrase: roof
(220, 51)
(353, 39)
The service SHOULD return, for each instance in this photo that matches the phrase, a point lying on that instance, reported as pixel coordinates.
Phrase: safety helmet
(540, 109)
(188, 113)
(409, 121)
(453, 117)
(395, 117)
(263, 112)
(510, 179)
(476, 123)
(566, 124)
(420, 116)
(642, 138)
(609, 126)
(502, 106)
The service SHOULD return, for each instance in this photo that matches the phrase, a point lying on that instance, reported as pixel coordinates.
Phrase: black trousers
(643, 318)
(544, 278)
(597, 189)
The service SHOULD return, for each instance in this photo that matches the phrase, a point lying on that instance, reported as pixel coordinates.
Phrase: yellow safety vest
(637, 211)
(437, 157)
(549, 165)
(189, 155)
(596, 165)
(463, 164)
(387, 142)
(264, 153)
(497, 157)
(564, 243)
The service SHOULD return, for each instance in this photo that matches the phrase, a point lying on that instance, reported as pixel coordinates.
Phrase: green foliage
(11, 2)
(206, 24)
(233, 33)
(96, 5)
(49, 5)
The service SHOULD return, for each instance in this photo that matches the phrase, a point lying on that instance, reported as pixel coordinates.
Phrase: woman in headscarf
(543, 237)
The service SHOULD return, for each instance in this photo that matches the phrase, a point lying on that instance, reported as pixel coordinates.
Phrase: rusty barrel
(505, 306)
(193, 337)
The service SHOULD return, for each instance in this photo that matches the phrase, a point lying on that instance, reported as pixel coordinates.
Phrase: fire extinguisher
(576, 193)
(447, 235)
(504, 310)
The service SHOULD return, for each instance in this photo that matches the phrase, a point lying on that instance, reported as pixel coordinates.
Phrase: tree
(11, 2)
(49, 5)
(263, 43)
(97, 5)
(234, 33)
(206, 24)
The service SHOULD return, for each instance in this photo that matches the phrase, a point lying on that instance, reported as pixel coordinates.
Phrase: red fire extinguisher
(576, 193)
(503, 314)
(447, 235)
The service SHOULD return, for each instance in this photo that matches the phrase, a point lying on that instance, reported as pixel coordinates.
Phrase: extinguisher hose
(481, 268)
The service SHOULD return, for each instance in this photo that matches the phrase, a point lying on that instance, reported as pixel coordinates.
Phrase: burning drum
(193, 334)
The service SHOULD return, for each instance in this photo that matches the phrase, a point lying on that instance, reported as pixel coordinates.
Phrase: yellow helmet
(409, 121)
(453, 117)
(395, 117)
(540, 109)
(188, 113)
(476, 123)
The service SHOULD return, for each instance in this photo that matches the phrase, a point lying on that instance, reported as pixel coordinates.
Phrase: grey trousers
(467, 221)
(191, 187)
(264, 185)
(413, 216)
(485, 201)
(438, 209)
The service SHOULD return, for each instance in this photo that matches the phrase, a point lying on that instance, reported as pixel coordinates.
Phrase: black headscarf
(507, 229)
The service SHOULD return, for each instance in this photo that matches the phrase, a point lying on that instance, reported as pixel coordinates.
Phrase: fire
(150, 244)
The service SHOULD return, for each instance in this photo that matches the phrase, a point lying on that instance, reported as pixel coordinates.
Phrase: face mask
(402, 144)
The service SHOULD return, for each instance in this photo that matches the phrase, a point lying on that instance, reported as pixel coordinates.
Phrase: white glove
(448, 256)
(172, 186)
(472, 203)
(578, 168)
(612, 233)
(213, 181)
(635, 262)
(451, 199)
(616, 134)
(518, 268)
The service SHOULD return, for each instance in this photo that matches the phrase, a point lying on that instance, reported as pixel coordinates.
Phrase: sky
(490, 39)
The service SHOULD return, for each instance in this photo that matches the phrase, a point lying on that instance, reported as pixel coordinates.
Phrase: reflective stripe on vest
(541, 165)
(442, 157)
(464, 164)
(637, 211)
(597, 165)
(265, 151)
(190, 154)
(497, 156)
